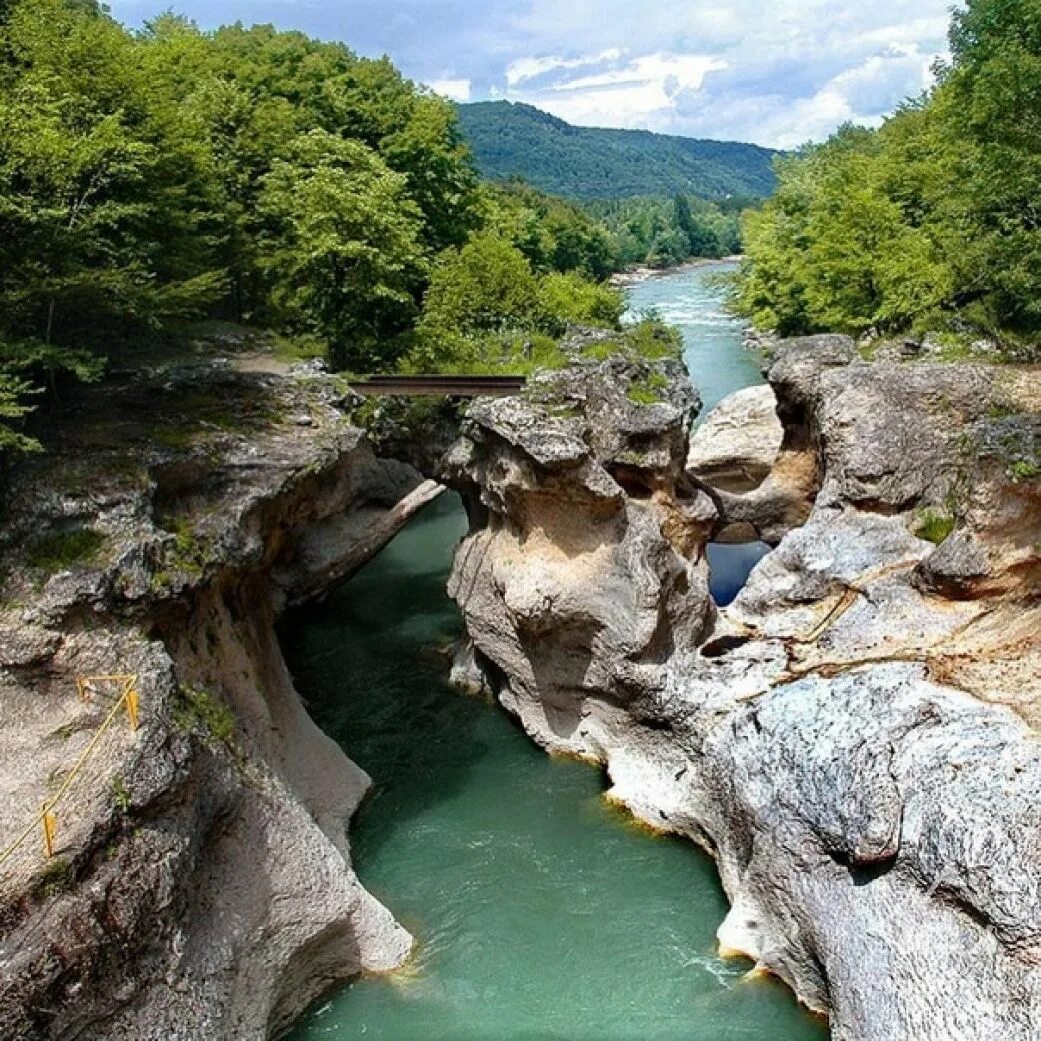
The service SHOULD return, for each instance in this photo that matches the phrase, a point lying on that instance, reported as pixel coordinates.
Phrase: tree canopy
(658, 231)
(930, 222)
(153, 177)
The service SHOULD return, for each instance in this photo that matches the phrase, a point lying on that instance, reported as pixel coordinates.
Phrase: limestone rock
(203, 885)
(854, 739)
(736, 446)
(584, 580)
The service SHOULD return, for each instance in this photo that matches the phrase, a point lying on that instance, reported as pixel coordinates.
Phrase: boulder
(736, 445)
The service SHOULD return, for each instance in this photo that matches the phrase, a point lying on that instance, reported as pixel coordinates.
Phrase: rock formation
(736, 446)
(202, 886)
(585, 576)
(853, 739)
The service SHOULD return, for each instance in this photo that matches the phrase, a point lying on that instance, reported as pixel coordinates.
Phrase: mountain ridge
(513, 139)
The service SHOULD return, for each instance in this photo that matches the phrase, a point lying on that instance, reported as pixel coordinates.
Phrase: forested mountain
(515, 140)
(930, 223)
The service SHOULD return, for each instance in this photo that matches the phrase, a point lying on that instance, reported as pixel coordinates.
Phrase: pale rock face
(736, 446)
(577, 589)
(853, 739)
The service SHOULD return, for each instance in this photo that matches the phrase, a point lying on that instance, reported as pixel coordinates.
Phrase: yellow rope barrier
(129, 699)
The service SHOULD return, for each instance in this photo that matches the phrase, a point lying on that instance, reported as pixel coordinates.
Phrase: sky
(775, 72)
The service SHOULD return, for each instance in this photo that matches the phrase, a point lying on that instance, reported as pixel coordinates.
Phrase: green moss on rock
(934, 525)
(65, 549)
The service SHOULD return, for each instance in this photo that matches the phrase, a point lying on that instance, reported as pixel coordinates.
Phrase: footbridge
(439, 386)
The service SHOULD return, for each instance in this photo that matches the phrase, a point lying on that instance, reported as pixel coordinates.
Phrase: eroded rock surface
(202, 886)
(854, 738)
(736, 446)
(585, 578)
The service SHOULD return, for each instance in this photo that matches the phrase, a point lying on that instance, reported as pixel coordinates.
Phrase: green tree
(96, 196)
(991, 103)
(567, 299)
(701, 240)
(486, 286)
(168, 174)
(344, 255)
(90, 184)
(487, 310)
(931, 222)
(554, 235)
(663, 232)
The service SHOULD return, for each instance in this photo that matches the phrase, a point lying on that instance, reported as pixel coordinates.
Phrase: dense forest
(153, 178)
(515, 140)
(661, 232)
(931, 223)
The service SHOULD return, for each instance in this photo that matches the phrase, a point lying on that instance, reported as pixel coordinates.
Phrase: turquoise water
(712, 343)
(540, 912)
(719, 363)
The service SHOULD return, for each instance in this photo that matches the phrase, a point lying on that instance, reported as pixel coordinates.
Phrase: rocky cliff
(854, 738)
(202, 885)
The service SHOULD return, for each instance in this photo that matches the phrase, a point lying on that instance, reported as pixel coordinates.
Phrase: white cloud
(778, 72)
(456, 89)
(773, 71)
(627, 92)
(524, 70)
(666, 71)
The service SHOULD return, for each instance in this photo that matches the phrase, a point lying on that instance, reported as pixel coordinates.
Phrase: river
(719, 363)
(692, 299)
(541, 913)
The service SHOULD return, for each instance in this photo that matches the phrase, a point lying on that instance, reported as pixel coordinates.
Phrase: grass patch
(120, 794)
(293, 349)
(651, 338)
(188, 555)
(934, 525)
(199, 710)
(648, 390)
(66, 549)
(178, 438)
(563, 410)
(1001, 411)
(1011, 440)
(1024, 470)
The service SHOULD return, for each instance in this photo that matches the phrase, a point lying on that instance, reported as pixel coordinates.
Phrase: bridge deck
(440, 386)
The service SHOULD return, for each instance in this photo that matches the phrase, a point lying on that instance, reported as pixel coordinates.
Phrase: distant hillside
(584, 163)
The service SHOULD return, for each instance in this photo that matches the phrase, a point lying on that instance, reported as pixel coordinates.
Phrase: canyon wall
(202, 884)
(854, 738)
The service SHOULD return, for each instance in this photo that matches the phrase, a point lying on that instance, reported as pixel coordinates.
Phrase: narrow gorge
(538, 911)
(851, 740)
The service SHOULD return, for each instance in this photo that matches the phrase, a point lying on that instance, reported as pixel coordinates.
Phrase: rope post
(133, 703)
(130, 701)
(50, 831)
